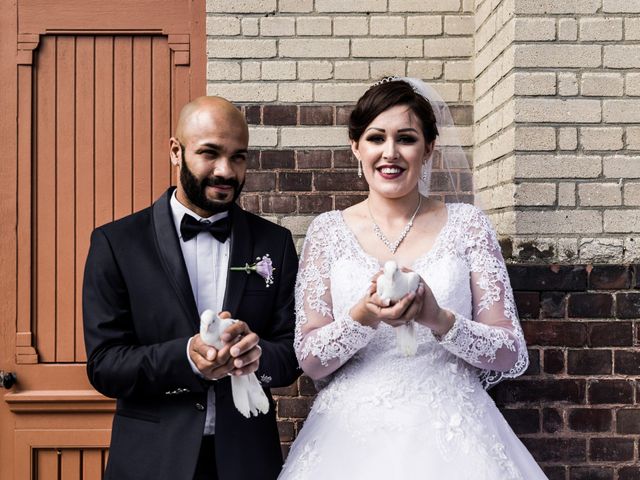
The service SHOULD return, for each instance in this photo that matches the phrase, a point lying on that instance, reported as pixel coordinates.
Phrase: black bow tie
(190, 227)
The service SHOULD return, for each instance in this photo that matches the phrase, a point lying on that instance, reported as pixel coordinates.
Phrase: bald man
(150, 275)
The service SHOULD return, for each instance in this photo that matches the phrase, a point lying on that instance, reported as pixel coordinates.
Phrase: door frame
(50, 408)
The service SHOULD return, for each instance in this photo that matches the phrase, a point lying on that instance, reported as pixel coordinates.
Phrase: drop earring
(359, 169)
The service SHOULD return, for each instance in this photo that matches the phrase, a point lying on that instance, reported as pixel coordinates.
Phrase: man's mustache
(216, 181)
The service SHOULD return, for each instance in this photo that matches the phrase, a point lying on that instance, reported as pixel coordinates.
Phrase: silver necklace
(378, 231)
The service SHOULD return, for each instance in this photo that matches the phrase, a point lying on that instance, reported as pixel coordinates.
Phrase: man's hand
(239, 355)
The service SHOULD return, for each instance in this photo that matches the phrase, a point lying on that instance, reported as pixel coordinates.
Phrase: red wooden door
(90, 92)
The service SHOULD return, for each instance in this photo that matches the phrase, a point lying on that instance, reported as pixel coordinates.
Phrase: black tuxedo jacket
(139, 313)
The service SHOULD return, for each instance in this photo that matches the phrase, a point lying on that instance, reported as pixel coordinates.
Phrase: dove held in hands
(248, 396)
(392, 285)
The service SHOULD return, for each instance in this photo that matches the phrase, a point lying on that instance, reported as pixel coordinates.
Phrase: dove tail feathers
(407, 340)
(248, 396)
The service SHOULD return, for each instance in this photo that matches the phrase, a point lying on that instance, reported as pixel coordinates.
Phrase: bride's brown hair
(384, 95)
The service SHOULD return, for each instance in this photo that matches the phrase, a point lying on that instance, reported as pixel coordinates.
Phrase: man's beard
(195, 191)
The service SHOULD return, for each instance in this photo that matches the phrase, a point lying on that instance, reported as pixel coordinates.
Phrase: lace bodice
(465, 271)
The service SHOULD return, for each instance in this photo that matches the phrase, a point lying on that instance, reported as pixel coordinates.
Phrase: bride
(382, 414)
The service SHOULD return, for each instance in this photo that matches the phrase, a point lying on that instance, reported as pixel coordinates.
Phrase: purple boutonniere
(263, 267)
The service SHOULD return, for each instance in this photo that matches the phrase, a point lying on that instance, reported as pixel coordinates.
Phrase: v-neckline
(415, 261)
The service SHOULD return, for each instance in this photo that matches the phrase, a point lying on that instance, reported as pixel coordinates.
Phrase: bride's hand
(371, 309)
(431, 315)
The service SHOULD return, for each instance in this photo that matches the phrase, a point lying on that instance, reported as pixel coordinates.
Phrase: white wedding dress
(381, 415)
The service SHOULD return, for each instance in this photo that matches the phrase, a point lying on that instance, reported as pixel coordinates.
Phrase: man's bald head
(207, 109)
(209, 150)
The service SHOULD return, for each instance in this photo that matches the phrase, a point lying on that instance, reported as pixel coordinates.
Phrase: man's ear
(175, 151)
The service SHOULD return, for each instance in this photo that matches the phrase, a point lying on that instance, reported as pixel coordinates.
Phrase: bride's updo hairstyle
(384, 95)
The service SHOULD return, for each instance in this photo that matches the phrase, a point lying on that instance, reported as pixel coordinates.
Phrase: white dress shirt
(207, 262)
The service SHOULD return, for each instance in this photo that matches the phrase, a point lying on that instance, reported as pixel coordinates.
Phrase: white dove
(248, 396)
(392, 285)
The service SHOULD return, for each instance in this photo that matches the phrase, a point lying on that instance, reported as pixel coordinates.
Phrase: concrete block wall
(556, 115)
(297, 67)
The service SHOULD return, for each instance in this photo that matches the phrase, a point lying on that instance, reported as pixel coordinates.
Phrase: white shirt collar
(178, 210)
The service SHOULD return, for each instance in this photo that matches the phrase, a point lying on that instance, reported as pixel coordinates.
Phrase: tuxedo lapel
(241, 253)
(168, 246)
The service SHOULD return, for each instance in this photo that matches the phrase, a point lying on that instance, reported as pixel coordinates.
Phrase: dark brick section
(528, 304)
(338, 181)
(610, 334)
(591, 473)
(297, 407)
(253, 114)
(548, 278)
(611, 449)
(553, 361)
(553, 304)
(313, 159)
(274, 159)
(260, 182)
(534, 362)
(628, 305)
(529, 390)
(589, 420)
(443, 182)
(570, 334)
(307, 387)
(344, 159)
(345, 201)
(250, 203)
(294, 181)
(558, 450)
(551, 420)
(629, 473)
(628, 421)
(280, 115)
(461, 114)
(628, 362)
(590, 305)
(589, 362)
(253, 160)
(279, 204)
(316, 115)
(554, 472)
(610, 277)
(523, 420)
(342, 114)
(314, 204)
(286, 431)
(610, 391)
(587, 332)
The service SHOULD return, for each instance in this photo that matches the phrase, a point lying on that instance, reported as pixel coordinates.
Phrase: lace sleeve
(322, 343)
(492, 340)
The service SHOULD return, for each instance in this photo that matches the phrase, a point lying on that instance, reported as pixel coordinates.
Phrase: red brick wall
(312, 181)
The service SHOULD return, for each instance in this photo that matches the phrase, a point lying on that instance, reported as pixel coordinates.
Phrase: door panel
(68, 193)
(84, 178)
(97, 88)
